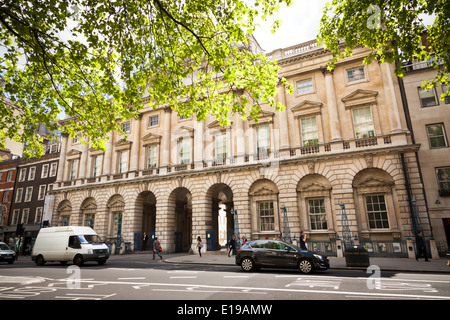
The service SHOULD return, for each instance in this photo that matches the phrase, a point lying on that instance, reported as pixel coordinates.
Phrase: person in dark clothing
(421, 248)
(144, 241)
(303, 241)
(232, 246)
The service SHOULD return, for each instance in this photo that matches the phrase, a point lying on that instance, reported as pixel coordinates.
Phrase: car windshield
(3, 246)
(90, 238)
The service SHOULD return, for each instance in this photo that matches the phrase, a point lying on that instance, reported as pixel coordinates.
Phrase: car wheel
(39, 260)
(247, 264)
(78, 260)
(101, 262)
(11, 261)
(305, 266)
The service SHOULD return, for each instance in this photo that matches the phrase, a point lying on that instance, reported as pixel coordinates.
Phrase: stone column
(108, 155)
(333, 113)
(62, 158)
(391, 99)
(135, 148)
(283, 124)
(165, 147)
(198, 144)
(240, 140)
(83, 161)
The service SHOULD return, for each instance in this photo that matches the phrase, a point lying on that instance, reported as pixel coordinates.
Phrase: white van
(77, 244)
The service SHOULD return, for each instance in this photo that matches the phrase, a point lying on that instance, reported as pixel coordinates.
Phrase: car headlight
(318, 257)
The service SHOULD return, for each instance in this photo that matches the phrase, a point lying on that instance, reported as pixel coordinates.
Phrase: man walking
(144, 241)
(421, 248)
(156, 248)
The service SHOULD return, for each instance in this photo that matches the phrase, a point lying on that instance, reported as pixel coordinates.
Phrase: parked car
(256, 254)
(6, 254)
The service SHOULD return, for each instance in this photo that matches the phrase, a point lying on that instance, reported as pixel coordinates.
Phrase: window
(5, 196)
(309, 130)
(263, 141)
(266, 216)
(377, 212)
(220, 142)
(28, 194)
(15, 217)
(304, 86)
(356, 75)
(41, 195)
(363, 123)
(126, 126)
(436, 135)
(25, 216)
(73, 169)
(428, 97)
(9, 176)
(76, 139)
(96, 165)
(53, 169)
(152, 158)
(153, 121)
(38, 216)
(184, 150)
(44, 173)
(22, 174)
(19, 195)
(443, 180)
(317, 214)
(32, 173)
(123, 161)
(446, 88)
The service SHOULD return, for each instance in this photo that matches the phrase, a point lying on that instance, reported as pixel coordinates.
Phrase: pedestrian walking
(144, 241)
(421, 248)
(303, 240)
(157, 248)
(232, 245)
(199, 246)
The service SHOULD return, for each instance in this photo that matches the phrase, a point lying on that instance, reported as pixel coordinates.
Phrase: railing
(288, 153)
(293, 50)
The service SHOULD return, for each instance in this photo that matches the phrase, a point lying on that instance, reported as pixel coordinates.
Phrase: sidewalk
(385, 264)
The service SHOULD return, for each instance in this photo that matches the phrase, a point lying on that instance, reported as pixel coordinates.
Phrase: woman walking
(199, 246)
(156, 248)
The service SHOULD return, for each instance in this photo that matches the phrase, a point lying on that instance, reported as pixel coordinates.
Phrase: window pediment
(263, 116)
(360, 97)
(151, 138)
(263, 191)
(307, 107)
(123, 144)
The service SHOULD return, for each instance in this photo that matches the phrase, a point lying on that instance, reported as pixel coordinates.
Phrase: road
(136, 277)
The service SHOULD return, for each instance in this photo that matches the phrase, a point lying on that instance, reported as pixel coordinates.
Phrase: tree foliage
(394, 31)
(95, 60)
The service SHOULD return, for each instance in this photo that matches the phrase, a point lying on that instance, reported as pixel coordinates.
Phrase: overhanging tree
(95, 60)
(393, 30)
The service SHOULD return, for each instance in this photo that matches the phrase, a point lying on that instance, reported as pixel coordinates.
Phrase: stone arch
(179, 219)
(376, 204)
(218, 203)
(315, 206)
(115, 212)
(64, 212)
(145, 218)
(88, 211)
(264, 209)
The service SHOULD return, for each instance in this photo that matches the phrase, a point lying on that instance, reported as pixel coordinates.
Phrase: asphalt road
(138, 277)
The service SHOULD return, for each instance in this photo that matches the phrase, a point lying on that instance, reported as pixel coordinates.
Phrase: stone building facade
(342, 141)
(430, 123)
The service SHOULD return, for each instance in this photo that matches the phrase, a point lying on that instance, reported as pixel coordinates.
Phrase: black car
(278, 254)
(6, 254)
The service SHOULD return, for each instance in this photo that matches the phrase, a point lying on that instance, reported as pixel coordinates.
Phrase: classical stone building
(341, 142)
(429, 119)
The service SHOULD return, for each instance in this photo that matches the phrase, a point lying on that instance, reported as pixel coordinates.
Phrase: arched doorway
(146, 209)
(180, 203)
(222, 221)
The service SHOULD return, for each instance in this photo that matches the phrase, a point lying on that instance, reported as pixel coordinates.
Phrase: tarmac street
(180, 277)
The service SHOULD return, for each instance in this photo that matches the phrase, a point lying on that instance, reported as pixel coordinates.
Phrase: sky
(300, 22)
